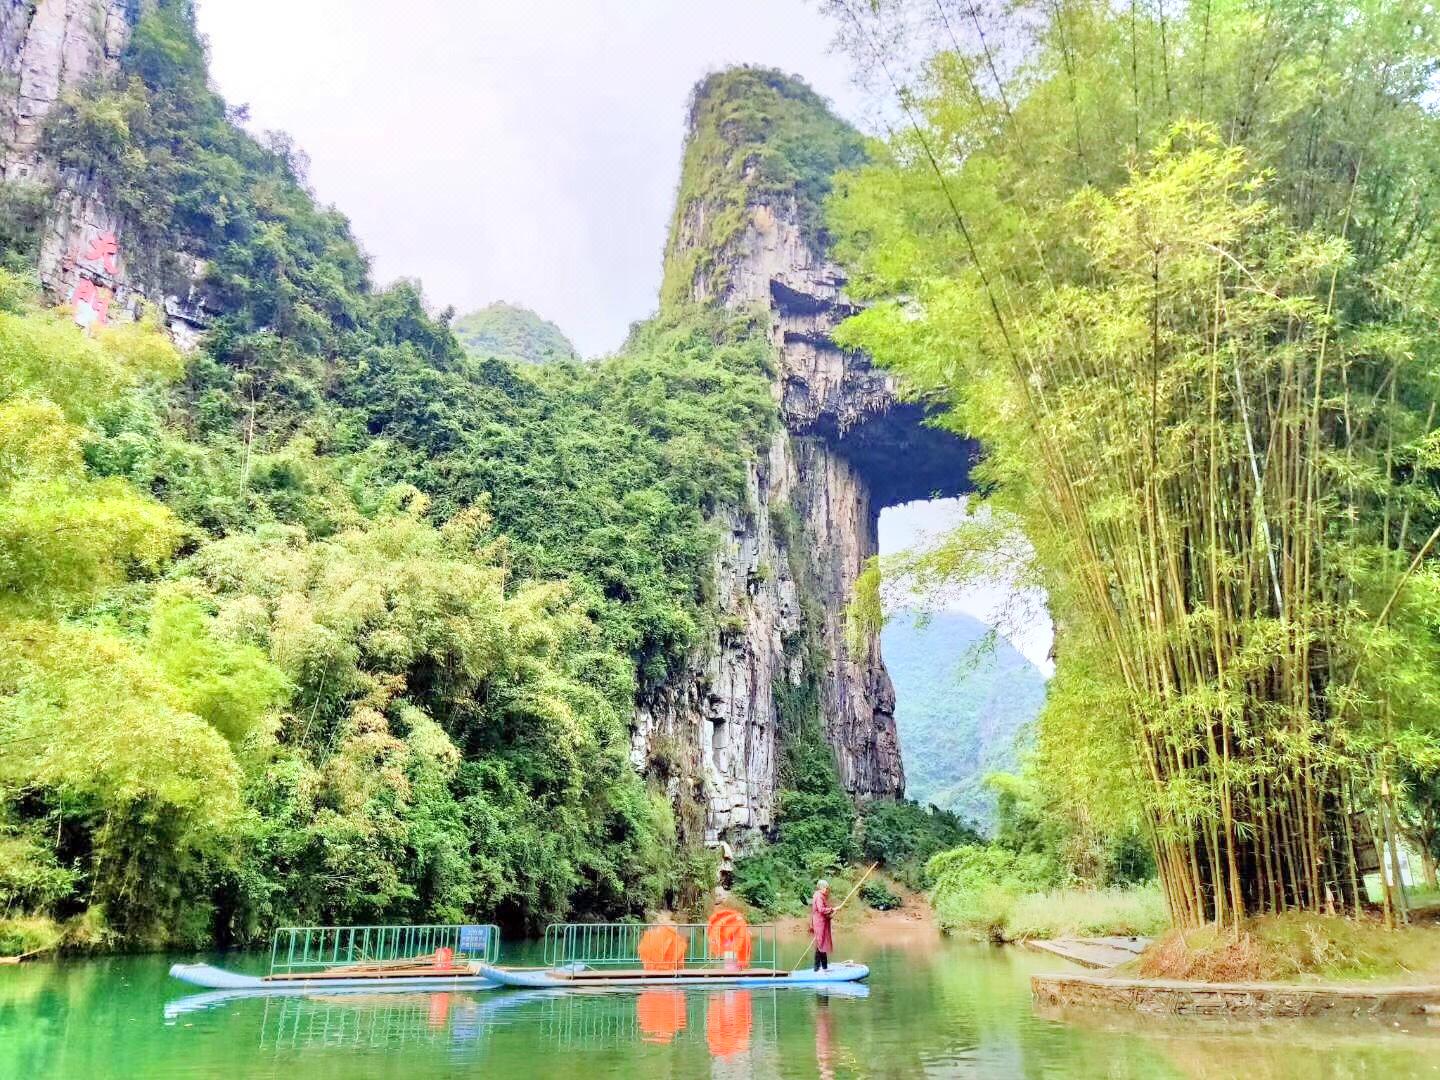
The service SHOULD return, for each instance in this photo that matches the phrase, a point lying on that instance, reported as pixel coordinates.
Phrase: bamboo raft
(585, 978)
(347, 957)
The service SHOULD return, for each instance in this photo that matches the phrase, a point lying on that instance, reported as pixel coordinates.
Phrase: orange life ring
(728, 935)
(662, 949)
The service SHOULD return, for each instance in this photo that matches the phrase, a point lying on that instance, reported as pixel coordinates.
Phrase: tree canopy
(1175, 269)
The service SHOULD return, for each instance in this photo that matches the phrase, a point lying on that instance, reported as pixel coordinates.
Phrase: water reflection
(932, 1008)
(824, 1040)
(733, 1025)
(729, 1020)
(661, 1015)
(1218, 1048)
(382, 1021)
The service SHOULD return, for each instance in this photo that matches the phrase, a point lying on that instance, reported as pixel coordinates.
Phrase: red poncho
(820, 913)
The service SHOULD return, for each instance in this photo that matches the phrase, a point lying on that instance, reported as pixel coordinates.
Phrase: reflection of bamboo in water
(365, 1020)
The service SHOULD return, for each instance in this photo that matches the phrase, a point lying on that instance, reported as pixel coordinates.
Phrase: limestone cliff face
(49, 48)
(790, 558)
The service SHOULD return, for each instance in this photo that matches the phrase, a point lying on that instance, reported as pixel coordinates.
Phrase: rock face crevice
(789, 562)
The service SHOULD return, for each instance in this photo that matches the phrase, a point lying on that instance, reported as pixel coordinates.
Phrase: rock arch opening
(970, 669)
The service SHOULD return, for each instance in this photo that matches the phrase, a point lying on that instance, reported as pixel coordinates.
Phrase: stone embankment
(1101, 952)
(1169, 997)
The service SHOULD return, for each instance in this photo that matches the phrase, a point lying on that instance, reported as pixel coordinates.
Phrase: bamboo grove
(1176, 267)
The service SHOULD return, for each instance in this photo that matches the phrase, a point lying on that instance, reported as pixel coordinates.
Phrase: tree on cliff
(1177, 271)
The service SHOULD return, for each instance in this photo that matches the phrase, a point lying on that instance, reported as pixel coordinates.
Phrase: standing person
(820, 915)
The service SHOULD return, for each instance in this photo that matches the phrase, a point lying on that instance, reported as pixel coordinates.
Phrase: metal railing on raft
(316, 948)
(618, 945)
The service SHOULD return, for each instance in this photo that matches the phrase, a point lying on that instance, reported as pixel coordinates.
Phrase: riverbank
(1295, 965)
(1254, 1000)
(995, 913)
(912, 917)
(1297, 948)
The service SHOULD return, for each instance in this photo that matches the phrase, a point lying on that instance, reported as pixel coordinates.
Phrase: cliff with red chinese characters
(83, 246)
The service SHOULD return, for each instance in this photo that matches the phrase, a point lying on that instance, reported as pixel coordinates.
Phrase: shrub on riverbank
(992, 892)
(28, 934)
(880, 896)
(818, 835)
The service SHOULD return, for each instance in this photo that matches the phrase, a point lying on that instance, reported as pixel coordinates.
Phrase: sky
(499, 150)
(1027, 626)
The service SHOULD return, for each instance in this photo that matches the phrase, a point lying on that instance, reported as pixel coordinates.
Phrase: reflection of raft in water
(348, 957)
(723, 952)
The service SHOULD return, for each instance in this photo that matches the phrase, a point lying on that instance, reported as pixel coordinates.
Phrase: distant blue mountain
(960, 709)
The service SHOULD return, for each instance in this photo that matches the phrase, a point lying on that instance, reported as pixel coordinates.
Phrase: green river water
(932, 1008)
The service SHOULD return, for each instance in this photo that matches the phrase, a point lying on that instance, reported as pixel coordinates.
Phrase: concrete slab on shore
(1101, 952)
(1173, 997)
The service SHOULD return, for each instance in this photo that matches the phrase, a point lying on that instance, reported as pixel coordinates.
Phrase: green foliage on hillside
(605, 473)
(188, 180)
(817, 829)
(337, 621)
(512, 333)
(387, 603)
(962, 702)
(376, 722)
(756, 135)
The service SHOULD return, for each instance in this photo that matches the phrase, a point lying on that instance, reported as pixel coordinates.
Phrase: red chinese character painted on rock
(105, 250)
(92, 303)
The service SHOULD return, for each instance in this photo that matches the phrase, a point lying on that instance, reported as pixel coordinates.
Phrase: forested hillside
(964, 701)
(331, 621)
(512, 333)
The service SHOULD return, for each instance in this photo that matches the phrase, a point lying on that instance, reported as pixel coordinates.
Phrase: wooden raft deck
(378, 973)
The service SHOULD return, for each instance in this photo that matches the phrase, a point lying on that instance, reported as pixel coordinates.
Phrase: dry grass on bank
(1298, 947)
(1121, 911)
